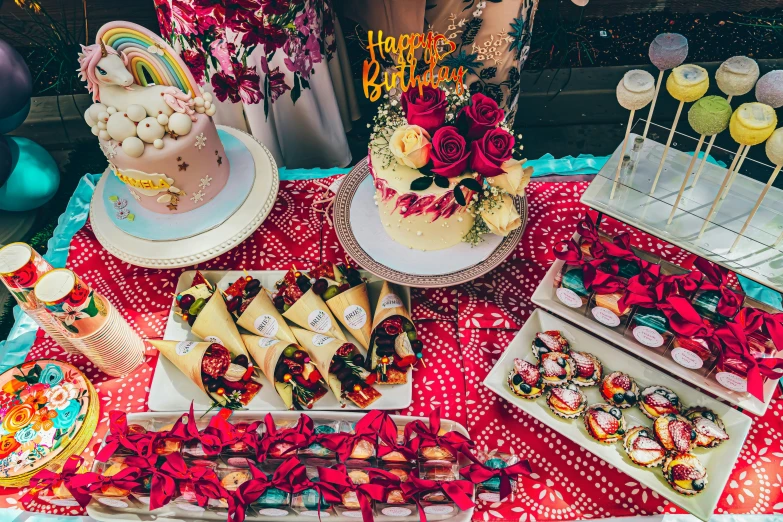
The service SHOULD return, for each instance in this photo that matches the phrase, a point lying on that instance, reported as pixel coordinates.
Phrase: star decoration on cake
(205, 181)
(108, 150)
(197, 196)
(183, 166)
(220, 160)
(201, 141)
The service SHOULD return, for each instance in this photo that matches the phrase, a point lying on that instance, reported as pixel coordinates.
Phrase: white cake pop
(774, 147)
(737, 75)
(120, 126)
(769, 89)
(133, 147)
(180, 123)
(150, 130)
(136, 112)
(636, 89)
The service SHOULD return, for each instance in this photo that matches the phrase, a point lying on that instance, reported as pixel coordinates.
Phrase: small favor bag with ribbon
(394, 345)
(290, 369)
(715, 299)
(226, 377)
(495, 474)
(350, 491)
(320, 449)
(604, 307)
(574, 281)
(111, 485)
(438, 448)
(124, 439)
(343, 365)
(438, 497)
(282, 440)
(310, 502)
(394, 445)
(395, 503)
(648, 325)
(254, 311)
(359, 444)
(56, 488)
(296, 299)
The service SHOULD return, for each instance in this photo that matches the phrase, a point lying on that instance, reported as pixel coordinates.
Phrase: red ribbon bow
(92, 482)
(365, 430)
(387, 433)
(185, 429)
(588, 232)
(46, 479)
(141, 444)
(735, 342)
(716, 279)
(479, 472)
(459, 491)
(620, 248)
(162, 486)
(297, 437)
(428, 436)
(755, 320)
(597, 274)
(335, 482)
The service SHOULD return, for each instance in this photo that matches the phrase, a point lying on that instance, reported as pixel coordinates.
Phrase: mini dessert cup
(489, 490)
(642, 448)
(273, 503)
(349, 506)
(188, 502)
(605, 423)
(395, 505)
(655, 401)
(438, 469)
(436, 504)
(396, 458)
(364, 452)
(116, 498)
(240, 454)
(307, 503)
(698, 354)
(525, 380)
(710, 430)
(706, 303)
(315, 454)
(570, 288)
(685, 473)
(650, 328)
(567, 401)
(605, 309)
(675, 433)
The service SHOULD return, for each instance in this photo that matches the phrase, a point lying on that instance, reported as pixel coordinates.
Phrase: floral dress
(267, 55)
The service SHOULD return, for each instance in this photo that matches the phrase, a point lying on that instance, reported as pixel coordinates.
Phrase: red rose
(427, 110)
(25, 277)
(196, 63)
(482, 115)
(489, 152)
(450, 153)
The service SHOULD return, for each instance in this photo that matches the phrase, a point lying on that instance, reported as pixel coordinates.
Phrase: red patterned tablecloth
(464, 329)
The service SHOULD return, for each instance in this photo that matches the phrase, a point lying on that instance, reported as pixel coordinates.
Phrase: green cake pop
(708, 116)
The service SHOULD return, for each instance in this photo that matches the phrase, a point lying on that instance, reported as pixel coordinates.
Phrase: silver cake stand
(207, 245)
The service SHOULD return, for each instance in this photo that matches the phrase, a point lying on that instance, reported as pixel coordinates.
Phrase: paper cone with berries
(311, 313)
(266, 352)
(215, 325)
(352, 309)
(186, 356)
(389, 304)
(321, 349)
(262, 318)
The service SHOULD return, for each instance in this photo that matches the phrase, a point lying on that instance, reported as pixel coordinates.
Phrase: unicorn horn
(104, 53)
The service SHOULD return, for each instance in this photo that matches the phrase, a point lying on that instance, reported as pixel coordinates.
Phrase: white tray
(718, 461)
(172, 513)
(172, 391)
(544, 296)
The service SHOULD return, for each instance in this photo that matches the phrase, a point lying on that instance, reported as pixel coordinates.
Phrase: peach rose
(515, 179)
(503, 218)
(411, 145)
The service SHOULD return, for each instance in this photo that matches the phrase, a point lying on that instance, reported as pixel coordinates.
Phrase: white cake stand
(207, 245)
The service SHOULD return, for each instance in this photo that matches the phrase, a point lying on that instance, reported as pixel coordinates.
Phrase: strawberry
(529, 372)
(658, 401)
(608, 423)
(585, 366)
(552, 368)
(708, 428)
(569, 399)
(682, 435)
(684, 472)
(553, 340)
(621, 380)
(647, 444)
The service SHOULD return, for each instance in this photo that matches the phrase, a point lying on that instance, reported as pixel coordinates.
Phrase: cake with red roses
(446, 168)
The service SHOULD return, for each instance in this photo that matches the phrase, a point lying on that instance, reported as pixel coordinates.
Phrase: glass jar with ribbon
(716, 299)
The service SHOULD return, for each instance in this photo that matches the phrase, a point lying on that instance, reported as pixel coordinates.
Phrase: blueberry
(538, 343)
(525, 387)
(620, 431)
(562, 362)
(630, 398)
(708, 415)
(517, 379)
(618, 397)
(673, 399)
(698, 484)
(644, 434)
(616, 413)
(693, 434)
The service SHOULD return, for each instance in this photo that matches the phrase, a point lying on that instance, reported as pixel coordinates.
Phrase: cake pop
(751, 124)
(708, 116)
(686, 83)
(634, 92)
(774, 150)
(667, 51)
(769, 89)
(735, 77)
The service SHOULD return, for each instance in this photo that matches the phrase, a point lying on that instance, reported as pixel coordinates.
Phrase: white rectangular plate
(544, 296)
(718, 461)
(173, 514)
(172, 391)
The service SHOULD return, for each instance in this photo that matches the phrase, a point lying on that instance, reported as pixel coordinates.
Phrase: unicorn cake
(153, 123)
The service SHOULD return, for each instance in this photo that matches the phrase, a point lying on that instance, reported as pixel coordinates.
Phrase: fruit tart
(556, 368)
(605, 423)
(642, 448)
(675, 432)
(685, 473)
(549, 341)
(587, 369)
(709, 428)
(620, 389)
(655, 401)
(525, 380)
(567, 402)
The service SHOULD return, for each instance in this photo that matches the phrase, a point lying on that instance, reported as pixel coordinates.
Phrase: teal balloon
(34, 176)
(5, 161)
(15, 120)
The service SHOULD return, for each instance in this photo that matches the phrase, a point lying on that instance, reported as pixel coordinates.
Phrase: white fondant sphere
(163, 119)
(88, 119)
(136, 112)
(158, 144)
(95, 109)
(102, 125)
(180, 123)
(207, 96)
(133, 147)
(211, 111)
(111, 110)
(207, 105)
(199, 101)
(104, 116)
(150, 130)
(95, 130)
(201, 110)
(120, 126)
(104, 135)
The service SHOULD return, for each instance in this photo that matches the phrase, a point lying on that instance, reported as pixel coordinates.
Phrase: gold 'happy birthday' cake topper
(435, 47)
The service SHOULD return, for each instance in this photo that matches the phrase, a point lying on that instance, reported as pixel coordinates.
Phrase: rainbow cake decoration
(153, 123)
